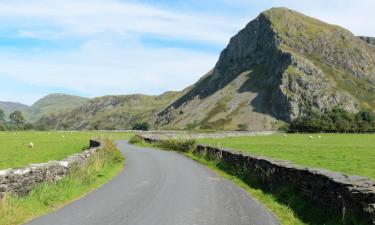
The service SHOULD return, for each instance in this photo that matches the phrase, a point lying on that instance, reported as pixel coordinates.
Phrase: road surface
(162, 188)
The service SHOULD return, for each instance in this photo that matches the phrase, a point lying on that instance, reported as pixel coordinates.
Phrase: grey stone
(20, 181)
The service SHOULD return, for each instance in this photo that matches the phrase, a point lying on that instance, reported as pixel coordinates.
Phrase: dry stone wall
(350, 194)
(162, 135)
(20, 181)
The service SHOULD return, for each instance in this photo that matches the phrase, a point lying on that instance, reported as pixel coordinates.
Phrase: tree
(16, 118)
(141, 126)
(2, 116)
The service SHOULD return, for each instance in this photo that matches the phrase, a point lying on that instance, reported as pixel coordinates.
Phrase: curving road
(162, 188)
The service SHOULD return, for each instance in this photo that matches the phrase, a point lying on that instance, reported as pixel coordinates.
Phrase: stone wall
(160, 135)
(354, 194)
(20, 181)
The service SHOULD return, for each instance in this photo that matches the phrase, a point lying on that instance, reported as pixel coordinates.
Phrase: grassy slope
(53, 103)
(48, 197)
(9, 107)
(47, 145)
(348, 153)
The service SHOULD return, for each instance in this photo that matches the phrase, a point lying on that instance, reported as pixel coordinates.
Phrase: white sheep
(30, 145)
(319, 136)
(311, 137)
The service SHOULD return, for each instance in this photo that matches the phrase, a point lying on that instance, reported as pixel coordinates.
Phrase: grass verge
(47, 197)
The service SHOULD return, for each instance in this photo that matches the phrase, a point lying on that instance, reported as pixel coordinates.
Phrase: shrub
(334, 120)
(243, 127)
(136, 139)
(141, 126)
(177, 145)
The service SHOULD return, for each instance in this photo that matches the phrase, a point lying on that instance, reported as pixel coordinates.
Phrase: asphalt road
(162, 188)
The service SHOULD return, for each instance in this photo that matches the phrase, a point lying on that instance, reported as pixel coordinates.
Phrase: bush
(243, 127)
(335, 120)
(136, 139)
(176, 145)
(141, 126)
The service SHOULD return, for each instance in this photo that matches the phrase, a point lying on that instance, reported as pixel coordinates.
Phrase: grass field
(47, 145)
(47, 197)
(352, 154)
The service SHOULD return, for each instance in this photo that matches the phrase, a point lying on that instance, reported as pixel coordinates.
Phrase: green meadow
(48, 145)
(352, 154)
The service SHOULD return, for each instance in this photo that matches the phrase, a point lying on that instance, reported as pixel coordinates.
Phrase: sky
(109, 47)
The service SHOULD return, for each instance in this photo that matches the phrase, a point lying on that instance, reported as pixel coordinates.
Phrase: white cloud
(87, 18)
(107, 57)
(108, 68)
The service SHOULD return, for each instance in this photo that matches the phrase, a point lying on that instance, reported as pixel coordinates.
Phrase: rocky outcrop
(279, 66)
(20, 181)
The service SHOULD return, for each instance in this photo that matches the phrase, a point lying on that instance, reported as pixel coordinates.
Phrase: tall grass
(180, 145)
(46, 197)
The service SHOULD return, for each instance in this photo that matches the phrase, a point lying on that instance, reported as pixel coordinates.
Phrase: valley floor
(352, 154)
(48, 145)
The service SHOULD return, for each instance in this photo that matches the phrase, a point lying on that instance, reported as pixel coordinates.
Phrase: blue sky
(99, 47)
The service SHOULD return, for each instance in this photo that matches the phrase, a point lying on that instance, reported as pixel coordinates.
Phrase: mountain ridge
(279, 66)
(286, 55)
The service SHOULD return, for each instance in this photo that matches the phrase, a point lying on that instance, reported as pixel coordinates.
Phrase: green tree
(141, 126)
(2, 116)
(17, 118)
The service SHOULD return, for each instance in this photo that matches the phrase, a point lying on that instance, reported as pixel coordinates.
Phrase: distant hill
(53, 103)
(9, 107)
(279, 66)
(110, 112)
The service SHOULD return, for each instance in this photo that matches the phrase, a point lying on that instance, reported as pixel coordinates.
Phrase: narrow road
(162, 188)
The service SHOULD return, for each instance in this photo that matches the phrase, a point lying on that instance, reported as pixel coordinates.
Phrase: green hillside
(9, 107)
(110, 112)
(53, 103)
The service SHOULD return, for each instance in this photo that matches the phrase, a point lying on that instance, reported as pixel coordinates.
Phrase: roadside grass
(287, 204)
(352, 154)
(47, 197)
(48, 145)
(282, 212)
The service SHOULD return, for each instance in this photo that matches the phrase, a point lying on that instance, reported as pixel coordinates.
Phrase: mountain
(281, 65)
(9, 107)
(53, 103)
(110, 112)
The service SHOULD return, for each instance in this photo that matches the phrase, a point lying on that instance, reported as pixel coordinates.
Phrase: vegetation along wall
(349, 194)
(21, 181)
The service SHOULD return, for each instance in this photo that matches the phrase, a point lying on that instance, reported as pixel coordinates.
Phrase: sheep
(30, 145)
(319, 136)
(310, 137)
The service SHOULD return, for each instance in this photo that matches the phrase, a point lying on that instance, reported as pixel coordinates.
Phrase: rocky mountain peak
(293, 63)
